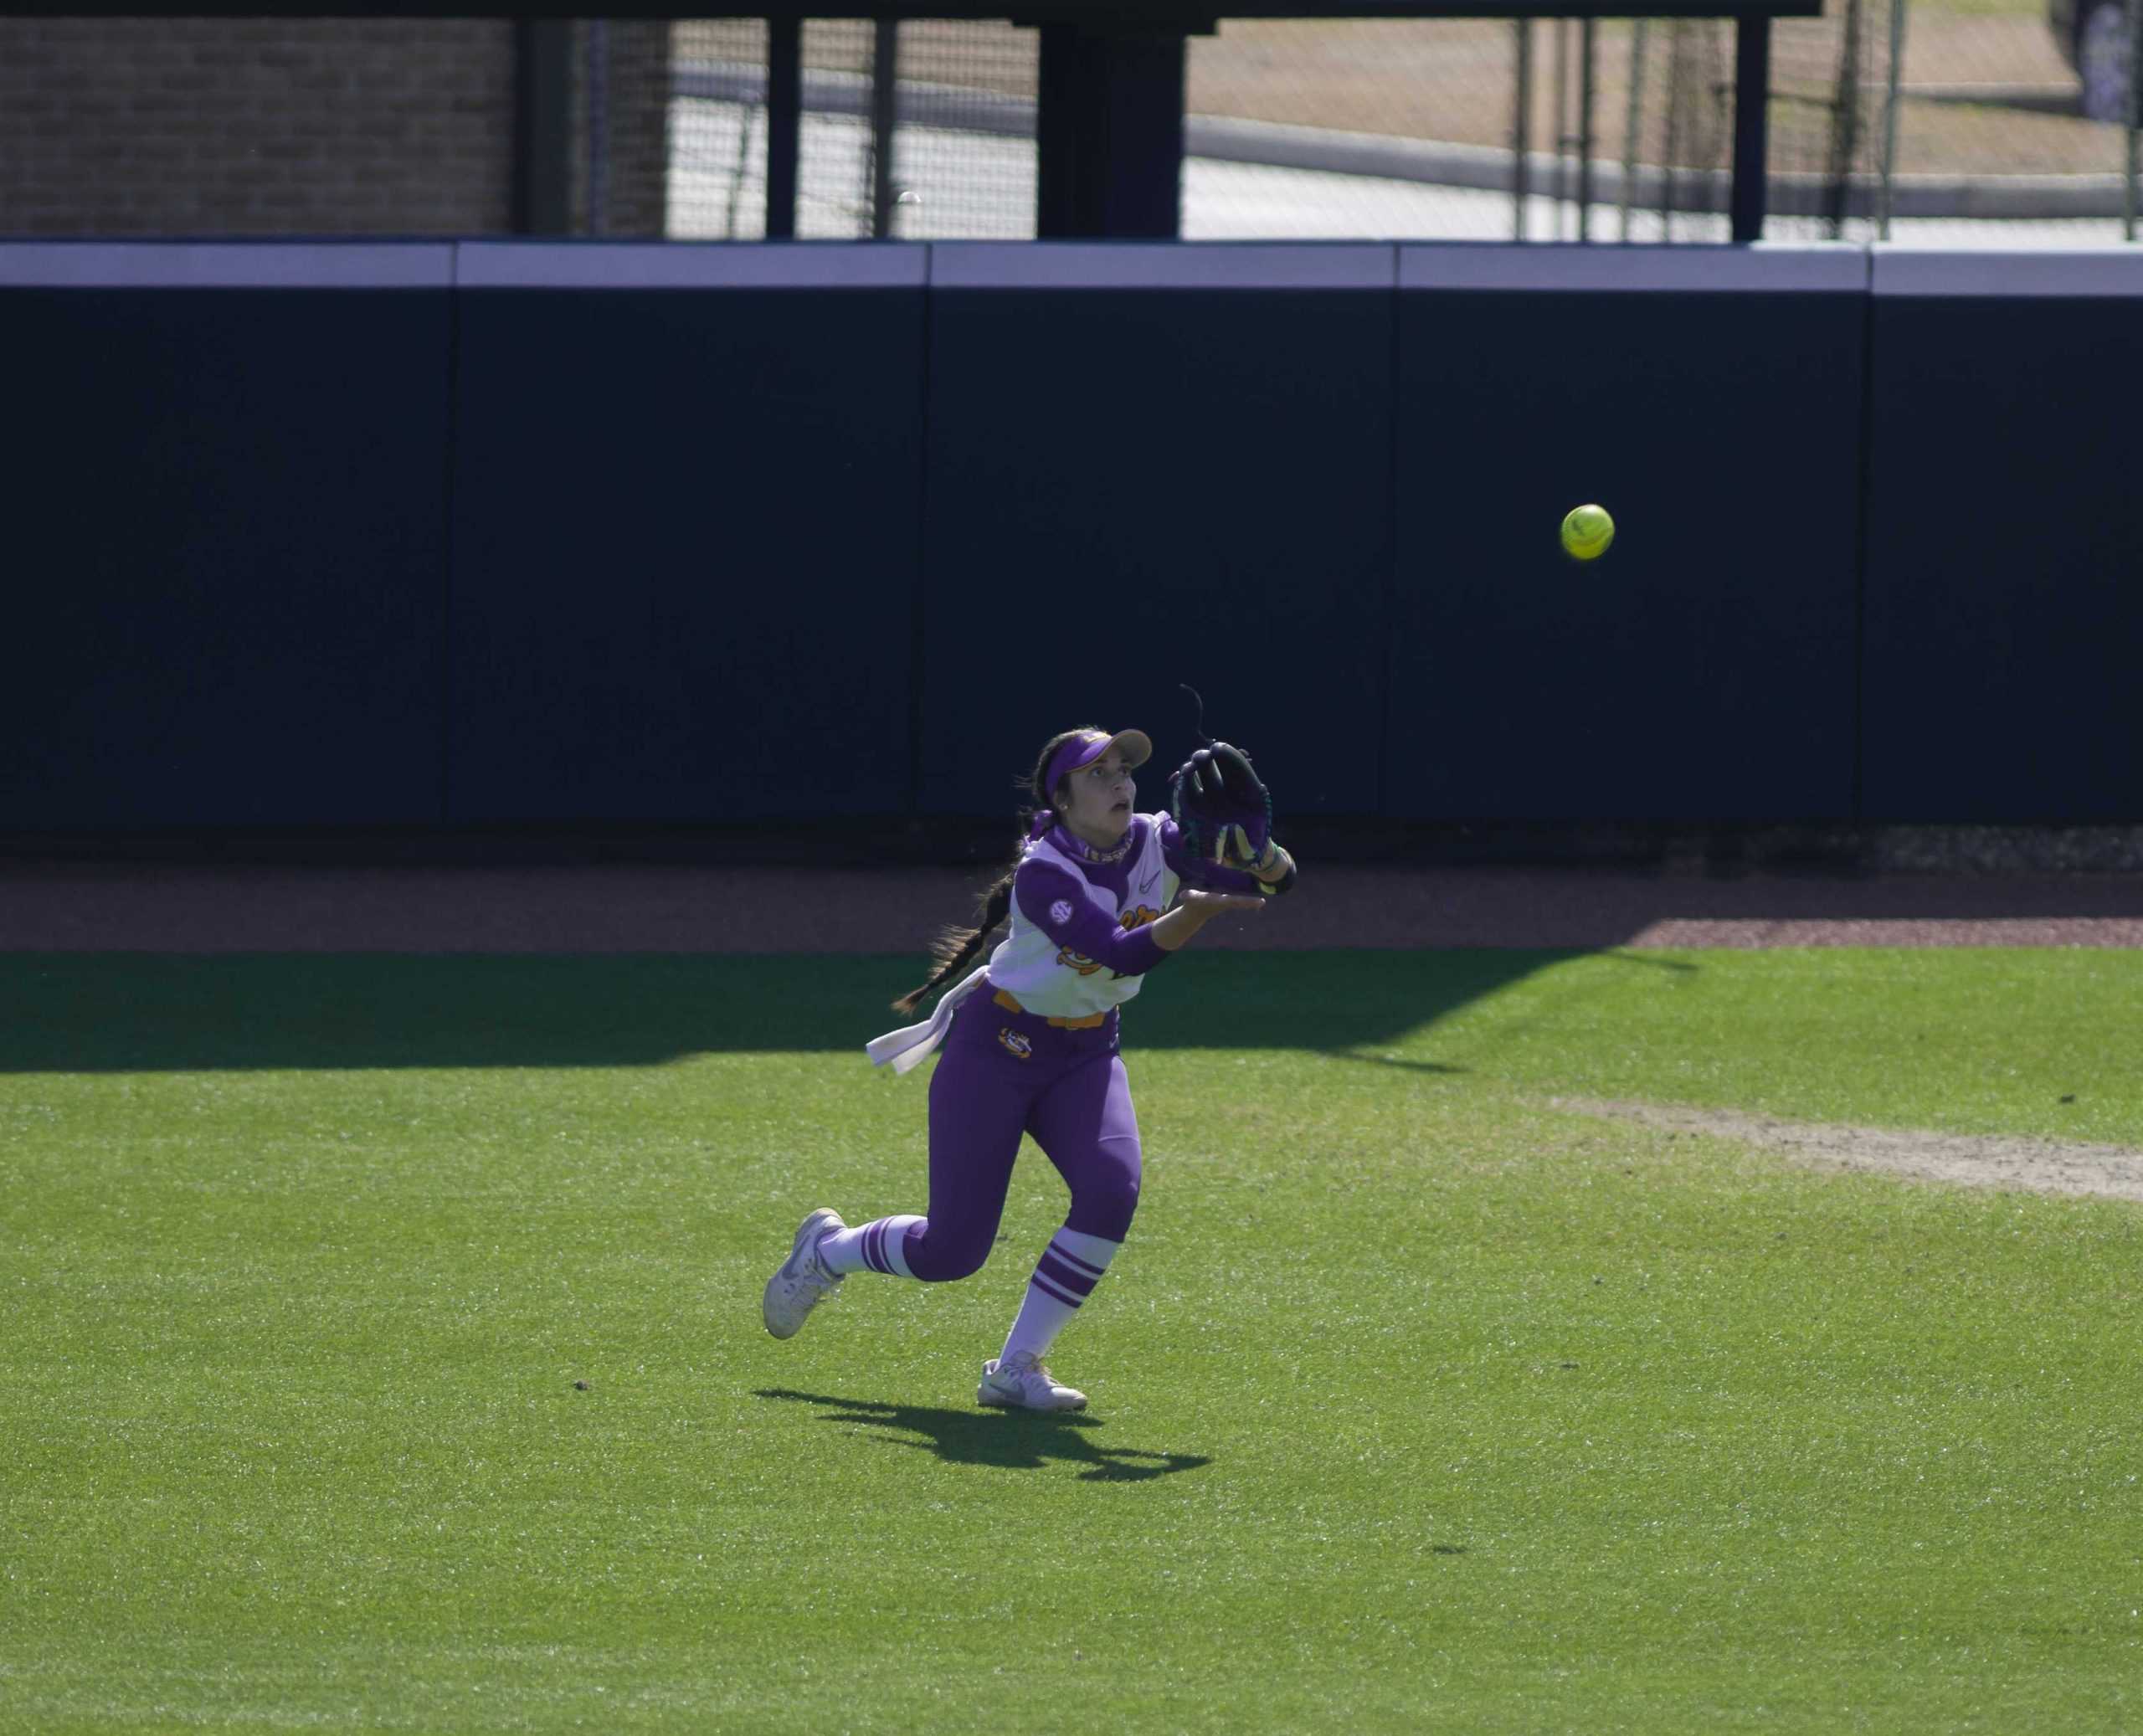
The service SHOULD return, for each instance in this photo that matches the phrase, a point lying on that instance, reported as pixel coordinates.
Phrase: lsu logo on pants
(1017, 1043)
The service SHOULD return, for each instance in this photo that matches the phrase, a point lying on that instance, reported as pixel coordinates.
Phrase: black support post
(543, 128)
(1521, 129)
(1109, 135)
(1056, 133)
(784, 123)
(1752, 80)
(1585, 58)
(885, 118)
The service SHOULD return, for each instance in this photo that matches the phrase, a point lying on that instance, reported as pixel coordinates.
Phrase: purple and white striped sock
(879, 1246)
(1070, 1268)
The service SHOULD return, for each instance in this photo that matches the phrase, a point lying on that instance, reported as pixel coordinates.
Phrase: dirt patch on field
(2038, 1166)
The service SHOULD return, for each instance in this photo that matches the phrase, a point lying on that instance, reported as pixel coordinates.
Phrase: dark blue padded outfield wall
(1154, 467)
(2005, 548)
(686, 513)
(1704, 668)
(227, 519)
(504, 532)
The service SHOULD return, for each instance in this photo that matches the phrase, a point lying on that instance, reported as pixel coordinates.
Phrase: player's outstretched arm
(1193, 910)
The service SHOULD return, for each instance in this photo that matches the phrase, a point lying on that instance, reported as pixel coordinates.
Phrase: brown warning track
(75, 906)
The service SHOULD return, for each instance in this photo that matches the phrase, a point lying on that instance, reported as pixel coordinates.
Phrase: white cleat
(1023, 1383)
(803, 1281)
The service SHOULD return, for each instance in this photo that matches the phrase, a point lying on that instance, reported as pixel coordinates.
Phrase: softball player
(1098, 896)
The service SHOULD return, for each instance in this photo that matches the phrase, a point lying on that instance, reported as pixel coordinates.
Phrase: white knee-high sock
(879, 1246)
(1070, 1268)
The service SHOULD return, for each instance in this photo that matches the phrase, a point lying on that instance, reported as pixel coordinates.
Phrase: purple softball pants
(1002, 1074)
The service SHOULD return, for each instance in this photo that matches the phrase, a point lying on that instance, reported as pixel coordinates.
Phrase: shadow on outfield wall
(1023, 1441)
(88, 1013)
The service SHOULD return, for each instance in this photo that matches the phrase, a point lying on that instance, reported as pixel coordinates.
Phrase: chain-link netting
(619, 182)
(2012, 112)
(1829, 93)
(918, 131)
(1546, 130)
(838, 151)
(718, 131)
(965, 161)
(2007, 127)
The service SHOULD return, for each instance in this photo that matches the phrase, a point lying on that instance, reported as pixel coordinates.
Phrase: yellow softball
(1587, 532)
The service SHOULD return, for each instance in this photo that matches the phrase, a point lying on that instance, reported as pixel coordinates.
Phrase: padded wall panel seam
(1136, 487)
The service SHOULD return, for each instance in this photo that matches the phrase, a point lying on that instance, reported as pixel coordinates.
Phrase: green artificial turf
(1417, 1403)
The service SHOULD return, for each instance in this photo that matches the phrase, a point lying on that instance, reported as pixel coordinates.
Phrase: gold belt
(1093, 1019)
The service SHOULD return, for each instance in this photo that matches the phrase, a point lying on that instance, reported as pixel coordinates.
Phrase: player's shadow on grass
(1015, 1440)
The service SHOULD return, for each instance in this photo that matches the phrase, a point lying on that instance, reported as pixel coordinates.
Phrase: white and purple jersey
(1078, 944)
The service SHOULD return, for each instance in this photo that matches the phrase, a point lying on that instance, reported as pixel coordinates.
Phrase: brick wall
(194, 126)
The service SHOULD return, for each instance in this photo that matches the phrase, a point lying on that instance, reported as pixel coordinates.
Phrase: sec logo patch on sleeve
(1060, 911)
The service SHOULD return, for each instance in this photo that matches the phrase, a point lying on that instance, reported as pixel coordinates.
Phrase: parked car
(2093, 35)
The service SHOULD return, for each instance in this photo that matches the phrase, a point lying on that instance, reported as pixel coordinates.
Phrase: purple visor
(1083, 750)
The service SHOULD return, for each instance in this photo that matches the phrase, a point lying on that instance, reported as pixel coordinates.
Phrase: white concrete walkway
(968, 186)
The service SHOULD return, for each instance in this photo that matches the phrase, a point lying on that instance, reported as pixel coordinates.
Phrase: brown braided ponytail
(955, 947)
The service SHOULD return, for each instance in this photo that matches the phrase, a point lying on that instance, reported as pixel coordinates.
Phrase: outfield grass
(1417, 1403)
